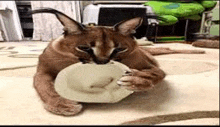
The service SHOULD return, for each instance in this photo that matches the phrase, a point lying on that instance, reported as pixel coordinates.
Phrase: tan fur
(69, 49)
(98, 46)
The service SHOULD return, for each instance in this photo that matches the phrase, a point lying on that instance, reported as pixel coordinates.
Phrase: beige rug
(20, 55)
(189, 118)
(189, 95)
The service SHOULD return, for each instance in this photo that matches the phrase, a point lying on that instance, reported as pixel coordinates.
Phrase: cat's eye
(120, 49)
(117, 51)
(84, 48)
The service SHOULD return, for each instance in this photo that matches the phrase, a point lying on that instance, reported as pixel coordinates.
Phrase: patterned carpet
(161, 119)
(189, 95)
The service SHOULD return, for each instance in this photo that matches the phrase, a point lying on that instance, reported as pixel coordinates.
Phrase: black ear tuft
(70, 26)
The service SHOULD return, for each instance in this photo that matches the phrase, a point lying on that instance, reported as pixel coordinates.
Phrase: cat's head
(98, 44)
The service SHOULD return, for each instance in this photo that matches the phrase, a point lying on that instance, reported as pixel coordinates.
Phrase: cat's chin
(92, 83)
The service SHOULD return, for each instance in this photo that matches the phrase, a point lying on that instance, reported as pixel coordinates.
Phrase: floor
(190, 87)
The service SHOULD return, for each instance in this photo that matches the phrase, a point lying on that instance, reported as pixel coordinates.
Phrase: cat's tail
(163, 51)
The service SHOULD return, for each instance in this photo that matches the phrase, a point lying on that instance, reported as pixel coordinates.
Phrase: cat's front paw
(63, 106)
(134, 83)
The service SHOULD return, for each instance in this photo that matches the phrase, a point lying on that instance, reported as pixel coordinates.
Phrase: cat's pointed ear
(128, 27)
(70, 26)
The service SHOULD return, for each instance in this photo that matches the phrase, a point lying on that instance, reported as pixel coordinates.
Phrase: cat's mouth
(96, 60)
(101, 60)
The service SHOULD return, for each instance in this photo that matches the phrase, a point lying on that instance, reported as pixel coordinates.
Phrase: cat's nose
(101, 60)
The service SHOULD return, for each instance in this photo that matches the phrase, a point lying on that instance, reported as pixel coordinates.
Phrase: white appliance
(109, 14)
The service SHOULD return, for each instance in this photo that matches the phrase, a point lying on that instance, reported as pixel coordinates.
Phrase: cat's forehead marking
(102, 39)
(98, 43)
(108, 44)
(99, 29)
(99, 33)
(108, 27)
(103, 49)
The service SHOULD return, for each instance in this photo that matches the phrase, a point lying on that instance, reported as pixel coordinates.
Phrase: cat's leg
(145, 72)
(141, 80)
(53, 102)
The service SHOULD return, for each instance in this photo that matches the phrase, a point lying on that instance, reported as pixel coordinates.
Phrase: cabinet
(26, 20)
